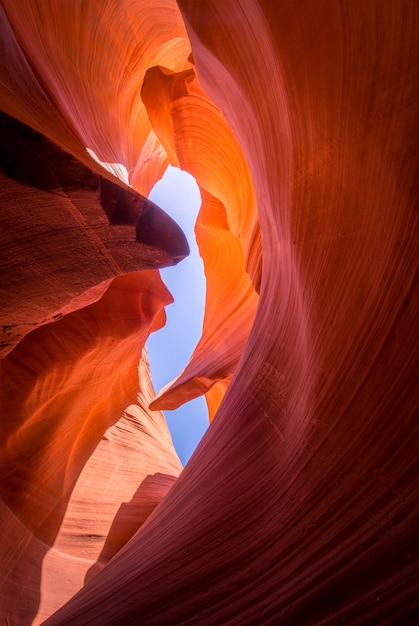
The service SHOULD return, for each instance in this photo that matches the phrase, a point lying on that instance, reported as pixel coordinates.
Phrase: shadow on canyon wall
(131, 516)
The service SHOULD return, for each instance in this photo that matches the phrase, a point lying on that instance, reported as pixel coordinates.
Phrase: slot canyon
(299, 122)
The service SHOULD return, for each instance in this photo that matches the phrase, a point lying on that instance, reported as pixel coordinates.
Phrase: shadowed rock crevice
(299, 122)
(130, 517)
(67, 231)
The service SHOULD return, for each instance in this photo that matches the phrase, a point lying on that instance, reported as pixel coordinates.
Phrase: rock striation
(299, 122)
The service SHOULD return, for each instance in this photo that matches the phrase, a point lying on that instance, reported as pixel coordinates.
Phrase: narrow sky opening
(170, 348)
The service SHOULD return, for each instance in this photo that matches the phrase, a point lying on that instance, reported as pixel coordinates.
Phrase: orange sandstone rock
(67, 232)
(197, 138)
(83, 461)
(300, 504)
(230, 308)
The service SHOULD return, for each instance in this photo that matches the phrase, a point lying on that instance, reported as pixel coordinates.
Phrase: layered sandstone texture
(299, 122)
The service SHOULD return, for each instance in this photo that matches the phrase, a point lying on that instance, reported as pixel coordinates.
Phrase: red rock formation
(83, 461)
(300, 504)
(227, 230)
(53, 203)
(76, 477)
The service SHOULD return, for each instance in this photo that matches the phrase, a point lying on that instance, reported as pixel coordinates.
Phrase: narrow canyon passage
(299, 123)
(170, 348)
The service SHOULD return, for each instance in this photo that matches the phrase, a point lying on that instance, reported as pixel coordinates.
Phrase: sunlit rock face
(299, 122)
(226, 229)
(83, 461)
(66, 232)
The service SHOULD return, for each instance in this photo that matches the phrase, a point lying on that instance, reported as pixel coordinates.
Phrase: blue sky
(169, 349)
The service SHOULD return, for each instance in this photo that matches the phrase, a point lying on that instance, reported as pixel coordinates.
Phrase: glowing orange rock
(94, 85)
(229, 312)
(197, 138)
(80, 480)
(300, 504)
(77, 479)
(67, 232)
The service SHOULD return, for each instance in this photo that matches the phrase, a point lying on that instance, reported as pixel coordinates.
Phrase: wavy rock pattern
(197, 138)
(300, 504)
(52, 202)
(75, 475)
(230, 308)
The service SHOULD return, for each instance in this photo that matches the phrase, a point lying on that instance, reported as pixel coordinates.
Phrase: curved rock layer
(97, 97)
(52, 203)
(230, 308)
(300, 505)
(83, 461)
(75, 71)
(75, 477)
(197, 138)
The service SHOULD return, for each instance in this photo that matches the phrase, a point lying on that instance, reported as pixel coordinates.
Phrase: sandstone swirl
(300, 123)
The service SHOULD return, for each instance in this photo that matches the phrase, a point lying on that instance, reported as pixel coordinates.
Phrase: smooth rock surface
(300, 504)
